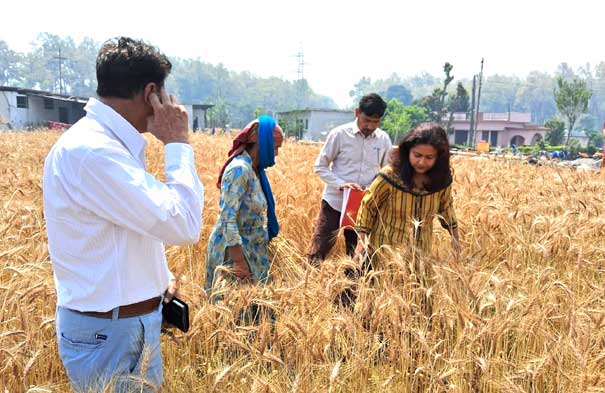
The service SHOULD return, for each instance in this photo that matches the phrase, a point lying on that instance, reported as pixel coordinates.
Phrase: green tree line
(237, 96)
(501, 93)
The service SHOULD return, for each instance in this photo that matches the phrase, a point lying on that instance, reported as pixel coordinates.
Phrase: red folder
(350, 205)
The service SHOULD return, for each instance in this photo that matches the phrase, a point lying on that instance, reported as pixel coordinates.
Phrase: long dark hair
(432, 134)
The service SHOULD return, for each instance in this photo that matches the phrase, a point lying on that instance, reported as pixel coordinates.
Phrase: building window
(494, 138)
(49, 104)
(461, 137)
(485, 136)
(306, 124)
(63, 115)
(22, 102)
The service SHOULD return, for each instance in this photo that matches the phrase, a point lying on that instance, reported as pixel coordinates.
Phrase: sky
(342, 41)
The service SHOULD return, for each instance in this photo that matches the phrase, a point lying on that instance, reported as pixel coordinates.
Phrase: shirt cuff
(178, 155)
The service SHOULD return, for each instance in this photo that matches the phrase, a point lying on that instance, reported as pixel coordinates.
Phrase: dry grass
(523, 311)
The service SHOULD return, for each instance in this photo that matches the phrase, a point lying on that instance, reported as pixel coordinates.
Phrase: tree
(596, 105)
(82, 80)
(586, 122)
(422, 84)
(400, 119)
(415, 115)
(401, 93)
(218, 116)
(556, 131)
(9, 60)
(535, 96)
(361, 88)
(459, 102)
(435, 103)
(572, 100)
(499, 93)
(595, 138)
(565, 71)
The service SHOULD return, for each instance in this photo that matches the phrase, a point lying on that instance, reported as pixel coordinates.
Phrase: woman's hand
(456, 243)
(362, 246)
(240, 266)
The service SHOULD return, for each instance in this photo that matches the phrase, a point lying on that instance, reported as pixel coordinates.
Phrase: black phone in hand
(176, 313)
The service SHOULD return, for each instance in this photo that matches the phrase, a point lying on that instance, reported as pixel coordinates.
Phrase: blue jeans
(97, 352)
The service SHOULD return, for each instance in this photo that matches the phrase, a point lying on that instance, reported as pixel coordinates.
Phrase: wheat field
(522, 309)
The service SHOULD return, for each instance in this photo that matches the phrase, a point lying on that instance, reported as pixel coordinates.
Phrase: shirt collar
(246, 157)
(356, 130)
(120, 127)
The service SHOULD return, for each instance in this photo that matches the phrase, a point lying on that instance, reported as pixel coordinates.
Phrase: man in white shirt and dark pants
(107, 219)
(350, 158)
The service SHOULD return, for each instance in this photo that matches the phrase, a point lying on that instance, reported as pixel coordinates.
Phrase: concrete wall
(201, 117)
(320, 123)
(529, 137)
(35, 115)
(504, 137)
(5, 109)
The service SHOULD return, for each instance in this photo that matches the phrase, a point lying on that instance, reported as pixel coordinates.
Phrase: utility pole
(60, 58)
(472, 126)
(478, 100)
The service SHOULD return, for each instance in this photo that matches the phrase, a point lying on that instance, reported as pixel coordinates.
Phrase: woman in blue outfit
(247, 220)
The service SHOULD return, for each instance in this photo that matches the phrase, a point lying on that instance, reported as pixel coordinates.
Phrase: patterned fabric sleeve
(233, 188)
(374, 198)
(447, 215)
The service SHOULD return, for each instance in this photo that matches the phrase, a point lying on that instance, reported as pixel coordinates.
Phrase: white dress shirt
(350, 157)
(107, 217)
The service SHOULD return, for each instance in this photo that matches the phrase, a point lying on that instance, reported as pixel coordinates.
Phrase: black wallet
(176, 313)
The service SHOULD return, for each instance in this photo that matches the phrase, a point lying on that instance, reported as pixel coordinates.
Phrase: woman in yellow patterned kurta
(401, 204)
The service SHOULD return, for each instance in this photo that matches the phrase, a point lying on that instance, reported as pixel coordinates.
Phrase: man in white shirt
(107, 219)
(350, 158)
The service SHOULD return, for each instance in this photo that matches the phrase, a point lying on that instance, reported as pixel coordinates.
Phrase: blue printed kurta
(241, 221)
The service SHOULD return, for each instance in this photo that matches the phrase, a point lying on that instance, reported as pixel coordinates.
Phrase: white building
(313, 124)
(22, 109)
(499, 129)
(199, 112)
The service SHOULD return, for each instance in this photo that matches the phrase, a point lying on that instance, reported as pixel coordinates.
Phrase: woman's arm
(233, 187)
(369, 211)
(447, 217)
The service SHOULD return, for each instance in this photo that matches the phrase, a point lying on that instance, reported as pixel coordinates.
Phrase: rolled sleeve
(327, 155)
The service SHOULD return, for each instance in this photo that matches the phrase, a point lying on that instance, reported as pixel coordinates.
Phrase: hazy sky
(342, 40)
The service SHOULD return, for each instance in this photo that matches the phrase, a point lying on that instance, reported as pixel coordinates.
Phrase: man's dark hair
(440, 174)
(125, 66)
(372, 105)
